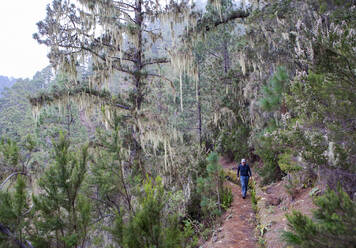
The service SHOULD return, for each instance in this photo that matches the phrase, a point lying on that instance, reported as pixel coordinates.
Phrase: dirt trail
(238, 229)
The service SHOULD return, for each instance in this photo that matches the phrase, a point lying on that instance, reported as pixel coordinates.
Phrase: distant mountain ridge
(6, 82)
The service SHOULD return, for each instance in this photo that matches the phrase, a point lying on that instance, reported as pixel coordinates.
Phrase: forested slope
(5, 82)
(120, 147)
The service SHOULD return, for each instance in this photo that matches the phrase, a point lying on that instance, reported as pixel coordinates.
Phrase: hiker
(244, 172)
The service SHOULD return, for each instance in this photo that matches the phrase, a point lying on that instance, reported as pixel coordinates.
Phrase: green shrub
(233, 141)
(286, 163)
(62, 207)
(273, 91)
(190, 233)
(254, 198)
(194, 210)
(210, 188)
(147, 227)
(231, 175)
(206, 233)
(14, 213)
(270, 171)
(226, 198)
(333, 224)
(9, 152)
(291, 186)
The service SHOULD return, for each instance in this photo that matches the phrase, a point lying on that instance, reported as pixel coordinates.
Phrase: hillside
(6, 82)
(129, 138)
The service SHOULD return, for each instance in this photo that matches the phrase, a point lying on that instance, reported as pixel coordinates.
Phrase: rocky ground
(273, 205)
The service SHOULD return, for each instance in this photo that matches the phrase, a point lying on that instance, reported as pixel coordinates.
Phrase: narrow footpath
(238, 228)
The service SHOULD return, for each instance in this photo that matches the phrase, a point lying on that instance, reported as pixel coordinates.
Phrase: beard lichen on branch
(85, 96)
(110, 41)
(113, 40)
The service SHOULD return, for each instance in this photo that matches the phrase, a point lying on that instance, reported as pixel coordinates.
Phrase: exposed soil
(272, 212)
(238, 228)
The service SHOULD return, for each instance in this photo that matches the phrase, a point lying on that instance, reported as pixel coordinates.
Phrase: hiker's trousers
(244, 184)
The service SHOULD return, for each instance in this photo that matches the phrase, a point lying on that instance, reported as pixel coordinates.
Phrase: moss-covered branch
(208, 22)
(105, 97)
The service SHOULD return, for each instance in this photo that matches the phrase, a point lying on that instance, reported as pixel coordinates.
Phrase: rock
(269, 190)
(272, 200)
(315, 191)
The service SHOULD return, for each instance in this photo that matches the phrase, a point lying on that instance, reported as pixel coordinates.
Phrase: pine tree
(62, 211)
(148, 227)
(333, 223)
(123, 47)
(273, 92)
(16, 159)
(14, 216)
(210, 187)
(114, 184)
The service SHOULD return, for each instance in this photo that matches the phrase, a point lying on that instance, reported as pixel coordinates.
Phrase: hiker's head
(243, 161)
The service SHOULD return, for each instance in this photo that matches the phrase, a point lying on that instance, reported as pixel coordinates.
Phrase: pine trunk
(199, 110)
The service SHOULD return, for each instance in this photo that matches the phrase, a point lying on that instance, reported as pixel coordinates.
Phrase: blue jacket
(244, 170)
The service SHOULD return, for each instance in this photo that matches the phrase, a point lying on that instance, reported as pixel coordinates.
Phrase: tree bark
(138, 54)
(138, 77)
(199, 110)
(226, 57)
(70, 118)
(226, 62)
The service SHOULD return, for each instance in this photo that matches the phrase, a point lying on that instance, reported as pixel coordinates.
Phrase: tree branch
(238, 14)
(126, 4)
(91, 51)
(105, 96)
(160, 76)
(101, 218)
(156, 61)
(119, 68)
(205, 23)
(9, 177)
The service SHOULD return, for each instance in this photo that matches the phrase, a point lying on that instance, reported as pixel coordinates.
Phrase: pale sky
(21, 55)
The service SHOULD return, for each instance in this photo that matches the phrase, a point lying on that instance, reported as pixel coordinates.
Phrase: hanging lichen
(242, 64)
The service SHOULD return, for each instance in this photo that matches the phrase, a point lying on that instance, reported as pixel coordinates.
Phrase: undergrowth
(333, 223)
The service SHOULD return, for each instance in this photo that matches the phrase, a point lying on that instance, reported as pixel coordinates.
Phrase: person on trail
(244, 172)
